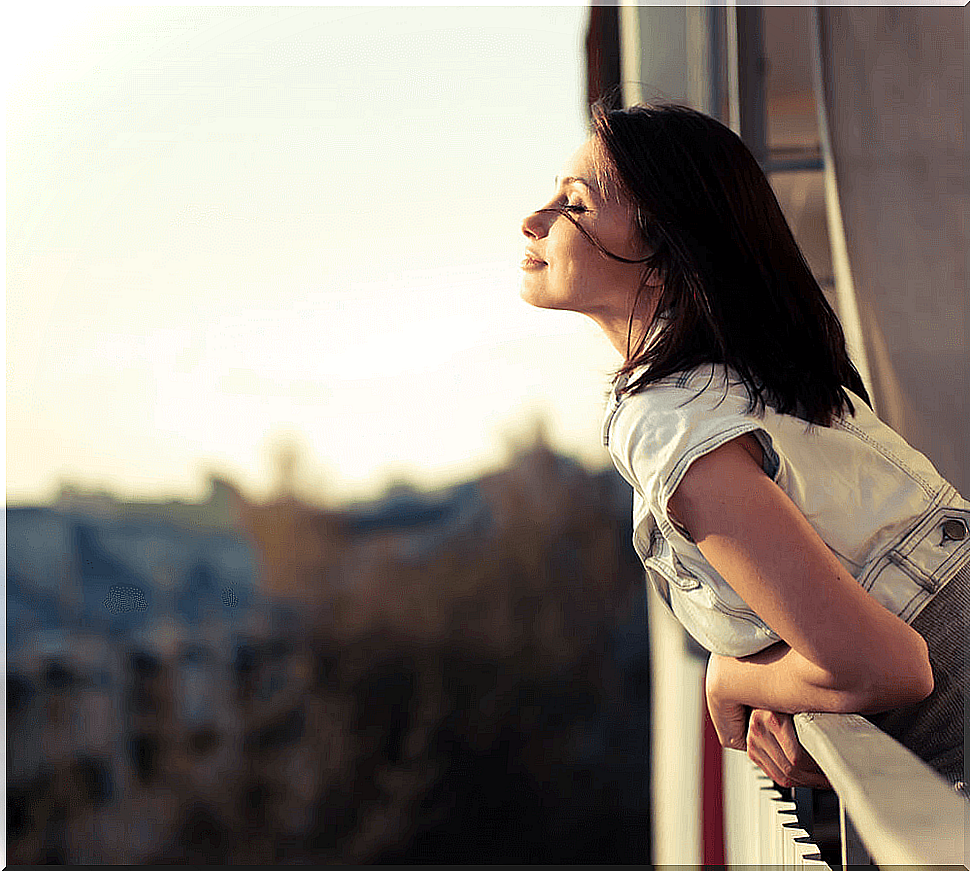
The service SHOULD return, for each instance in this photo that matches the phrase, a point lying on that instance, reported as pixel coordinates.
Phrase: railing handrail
(904, 812)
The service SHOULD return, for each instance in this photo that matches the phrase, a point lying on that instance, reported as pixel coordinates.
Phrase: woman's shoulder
(711, 388)
(655, 429)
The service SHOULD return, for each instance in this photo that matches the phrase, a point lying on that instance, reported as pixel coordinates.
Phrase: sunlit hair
(736, 289)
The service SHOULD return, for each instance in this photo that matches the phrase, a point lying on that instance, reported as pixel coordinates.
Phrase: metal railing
(892, 808)
(903, 811)
(761, 826)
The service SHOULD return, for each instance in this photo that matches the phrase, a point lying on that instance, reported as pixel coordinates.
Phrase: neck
(617, 328)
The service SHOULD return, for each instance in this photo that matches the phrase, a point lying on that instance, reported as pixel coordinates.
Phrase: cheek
(591, 274)
(577, 263)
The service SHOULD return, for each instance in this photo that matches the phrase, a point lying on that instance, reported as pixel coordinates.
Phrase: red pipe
(712, 795)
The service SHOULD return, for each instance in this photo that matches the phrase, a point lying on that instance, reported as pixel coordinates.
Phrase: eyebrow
(572, 179)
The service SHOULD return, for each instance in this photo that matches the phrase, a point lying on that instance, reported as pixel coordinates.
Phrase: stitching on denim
(913, 570)
(609, 423)
(861, 434)
(916, 601)
(929, 523)
(667, 529)
(648, 545)
(868, 580)
(657, 564)
(941, 496)
(748, 616)
(666, 555)
(933, 522)
(942, 570)
(930, 585)
(876, 558)
(905, 612)
(702, 448)
(926, 521)
(615, 403)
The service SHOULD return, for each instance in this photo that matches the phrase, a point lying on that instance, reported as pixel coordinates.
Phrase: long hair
(736, 289)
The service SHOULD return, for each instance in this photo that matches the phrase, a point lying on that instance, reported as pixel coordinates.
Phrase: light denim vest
(899, 528)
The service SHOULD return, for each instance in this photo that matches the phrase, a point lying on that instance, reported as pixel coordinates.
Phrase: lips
(532, 260)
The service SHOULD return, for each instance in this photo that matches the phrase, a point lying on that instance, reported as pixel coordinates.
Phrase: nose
(535, 226)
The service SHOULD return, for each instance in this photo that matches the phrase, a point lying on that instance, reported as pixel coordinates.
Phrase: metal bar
(904, 812)
(751, 81)
(747, 106)
(704, 37)
(853, 851)
(844, 286)
(733, 66)
(812, 164)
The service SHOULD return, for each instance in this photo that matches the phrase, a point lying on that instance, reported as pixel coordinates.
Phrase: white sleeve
(657, 434)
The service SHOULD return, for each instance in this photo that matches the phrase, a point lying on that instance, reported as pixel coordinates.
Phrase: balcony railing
(761, 825)
(892, 809)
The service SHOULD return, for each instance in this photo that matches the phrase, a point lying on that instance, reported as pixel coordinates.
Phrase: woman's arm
(843, 651)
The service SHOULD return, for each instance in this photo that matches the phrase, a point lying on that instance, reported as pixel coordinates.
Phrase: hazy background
(234, 227)
(262, 294)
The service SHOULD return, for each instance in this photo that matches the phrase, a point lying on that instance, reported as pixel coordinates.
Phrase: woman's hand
(773, 746)
(729, 716)
(768, 736)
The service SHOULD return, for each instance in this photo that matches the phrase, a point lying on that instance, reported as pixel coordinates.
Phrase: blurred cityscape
(456, 676)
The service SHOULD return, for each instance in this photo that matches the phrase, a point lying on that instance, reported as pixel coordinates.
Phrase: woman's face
(564, 270)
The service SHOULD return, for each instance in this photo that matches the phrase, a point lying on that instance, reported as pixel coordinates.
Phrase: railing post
(853, 852)
(762, 828)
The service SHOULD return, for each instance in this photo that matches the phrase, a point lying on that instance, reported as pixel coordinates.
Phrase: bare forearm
(781, 679)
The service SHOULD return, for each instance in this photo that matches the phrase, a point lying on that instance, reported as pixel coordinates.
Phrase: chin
(538, 299)
(533, 300)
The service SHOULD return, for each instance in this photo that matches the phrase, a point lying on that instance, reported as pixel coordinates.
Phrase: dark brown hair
(736, 289)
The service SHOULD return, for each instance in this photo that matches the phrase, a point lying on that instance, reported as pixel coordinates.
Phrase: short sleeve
(657, 433)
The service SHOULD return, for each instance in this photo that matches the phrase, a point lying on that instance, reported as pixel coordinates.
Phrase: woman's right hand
(774, 747)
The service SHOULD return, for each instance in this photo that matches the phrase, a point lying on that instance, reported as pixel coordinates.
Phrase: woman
(823, 561)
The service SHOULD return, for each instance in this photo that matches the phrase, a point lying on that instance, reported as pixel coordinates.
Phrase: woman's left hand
(729, 716)
(774, 747)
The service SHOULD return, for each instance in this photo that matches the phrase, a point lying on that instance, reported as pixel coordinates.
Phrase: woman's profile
(822, 560)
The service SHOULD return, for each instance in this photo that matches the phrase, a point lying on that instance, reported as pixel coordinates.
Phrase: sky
(234, 227)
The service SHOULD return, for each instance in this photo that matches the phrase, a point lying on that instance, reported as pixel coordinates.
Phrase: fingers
(781, 727)
(773, 746)
(764, 748)
(731, 725)
(776, 744)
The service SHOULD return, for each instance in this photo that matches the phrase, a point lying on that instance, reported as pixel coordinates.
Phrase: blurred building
(456, 674)
(102, 602)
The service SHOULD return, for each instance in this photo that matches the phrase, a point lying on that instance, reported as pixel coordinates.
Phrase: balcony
(888, 807)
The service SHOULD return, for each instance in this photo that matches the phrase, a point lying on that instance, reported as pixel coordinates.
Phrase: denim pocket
(657, 554)
(931, 553)
(907, 575)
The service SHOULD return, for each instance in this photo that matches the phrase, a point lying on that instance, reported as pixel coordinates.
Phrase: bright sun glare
(224, 221)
